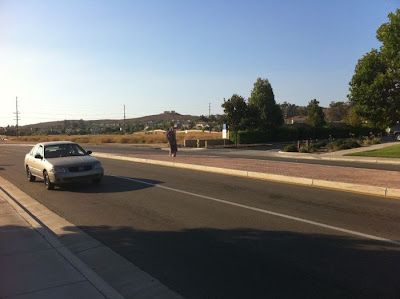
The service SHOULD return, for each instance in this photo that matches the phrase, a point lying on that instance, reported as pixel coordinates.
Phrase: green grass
(386, 152)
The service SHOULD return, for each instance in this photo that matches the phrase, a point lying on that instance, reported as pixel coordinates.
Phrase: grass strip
(386, 152)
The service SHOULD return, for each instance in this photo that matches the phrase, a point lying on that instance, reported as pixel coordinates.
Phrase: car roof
(56, 143)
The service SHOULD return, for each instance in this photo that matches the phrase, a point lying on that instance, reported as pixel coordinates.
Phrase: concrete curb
(354, 188)
(101, 266)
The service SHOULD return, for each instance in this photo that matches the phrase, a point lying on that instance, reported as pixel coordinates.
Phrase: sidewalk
(33, 263)
(42, 255)
(365, 181)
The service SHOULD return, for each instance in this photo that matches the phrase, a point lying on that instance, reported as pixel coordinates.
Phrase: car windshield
(63, 150)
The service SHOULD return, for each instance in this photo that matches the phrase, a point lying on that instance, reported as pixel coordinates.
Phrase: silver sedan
(60, 163)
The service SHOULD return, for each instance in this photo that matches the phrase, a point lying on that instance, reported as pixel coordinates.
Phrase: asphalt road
(258, 153)
(247, 153)
(215, 236)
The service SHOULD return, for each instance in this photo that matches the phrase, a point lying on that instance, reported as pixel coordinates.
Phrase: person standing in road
(171, 136)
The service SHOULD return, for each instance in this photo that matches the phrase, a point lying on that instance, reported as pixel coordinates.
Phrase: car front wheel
(31, 178)
(49, 185)
(398, 137)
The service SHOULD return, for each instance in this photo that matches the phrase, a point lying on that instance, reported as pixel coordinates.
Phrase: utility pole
(16, 115)
(209, 115)
(124, 119)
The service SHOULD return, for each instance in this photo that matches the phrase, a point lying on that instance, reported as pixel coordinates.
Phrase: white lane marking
(347, 231)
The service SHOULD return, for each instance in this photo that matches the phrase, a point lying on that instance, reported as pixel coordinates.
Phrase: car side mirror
(89, 152)
(37, 156)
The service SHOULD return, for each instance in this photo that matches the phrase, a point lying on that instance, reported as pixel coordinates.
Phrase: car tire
(49, 185)
(31, 178)
(398, 136)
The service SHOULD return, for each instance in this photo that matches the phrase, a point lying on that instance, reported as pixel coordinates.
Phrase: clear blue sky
(80, 59)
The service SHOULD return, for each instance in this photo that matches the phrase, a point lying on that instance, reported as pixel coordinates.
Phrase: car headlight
(97, 165)
(58, 169)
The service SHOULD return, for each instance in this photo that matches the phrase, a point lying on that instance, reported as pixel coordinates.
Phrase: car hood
(72, 161)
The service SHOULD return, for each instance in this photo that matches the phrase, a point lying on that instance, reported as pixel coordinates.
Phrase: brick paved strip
(369, 181)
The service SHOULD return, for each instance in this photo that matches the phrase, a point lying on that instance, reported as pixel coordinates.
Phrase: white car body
(61, 162)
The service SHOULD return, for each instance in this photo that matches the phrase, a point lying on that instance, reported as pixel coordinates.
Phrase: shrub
(124, 140)
(107, 139)
(334, 145)
(313, 147)
(304, 149)
(330, 146)
(290, 148)
(248, 137)
(80, 139)
(344, 146)
(304, 132)
(352, 143)
(320, 144)
(285, 134)
(376, 140)
(367, 142)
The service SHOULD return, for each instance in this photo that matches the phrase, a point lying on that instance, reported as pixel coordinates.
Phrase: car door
(36, 165)
(30, 159)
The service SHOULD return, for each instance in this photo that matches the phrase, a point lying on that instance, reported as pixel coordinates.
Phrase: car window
(39, 150)
(63, 150)
(33, 150)
(76, 150)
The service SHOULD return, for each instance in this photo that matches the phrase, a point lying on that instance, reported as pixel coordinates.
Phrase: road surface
(214, 236)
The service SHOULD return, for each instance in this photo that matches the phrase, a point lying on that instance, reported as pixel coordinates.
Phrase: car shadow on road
(110, 184)
(5, 165)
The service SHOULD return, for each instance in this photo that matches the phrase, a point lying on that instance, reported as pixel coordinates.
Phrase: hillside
(166, 116)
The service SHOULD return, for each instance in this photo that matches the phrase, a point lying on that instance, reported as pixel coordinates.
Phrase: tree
(203, 118)
(289, 110)
(338, 111)
(235, 110)
(252, 117)
(352, 118)
(67, 125)
(375, 86)
(262, 97)
(315, 115)
(191, 124)
(81, 124)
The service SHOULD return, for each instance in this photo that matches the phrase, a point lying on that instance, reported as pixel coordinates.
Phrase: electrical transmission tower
(16, 115)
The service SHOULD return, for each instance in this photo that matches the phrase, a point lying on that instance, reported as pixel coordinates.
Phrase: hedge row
(302, 133)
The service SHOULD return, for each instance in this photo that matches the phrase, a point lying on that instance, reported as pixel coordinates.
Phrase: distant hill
(166, 116)
(163, 116)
